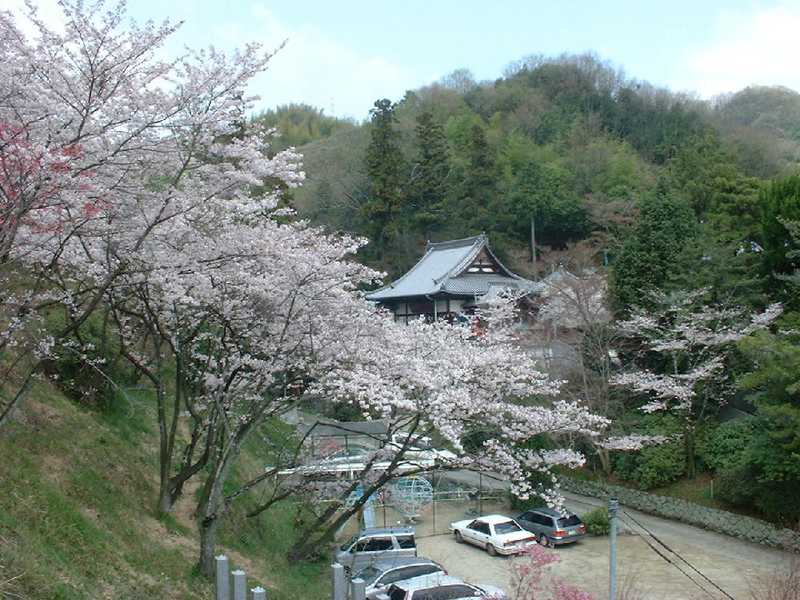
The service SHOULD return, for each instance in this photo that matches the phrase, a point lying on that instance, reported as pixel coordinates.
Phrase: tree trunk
(308, 544)
(213, 506)
(688, 440)
(605, 460)
(208, 543)
(7, 411)
(165, 498)
(164, 454)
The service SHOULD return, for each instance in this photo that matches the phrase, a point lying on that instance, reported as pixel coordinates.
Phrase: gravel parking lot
(732, 563)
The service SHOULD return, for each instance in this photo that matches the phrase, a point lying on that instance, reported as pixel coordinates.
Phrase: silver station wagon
(376, 544)
(551, 527)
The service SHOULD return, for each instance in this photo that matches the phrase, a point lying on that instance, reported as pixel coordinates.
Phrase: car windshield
(569, 521)
(506, 527)
(369, 575)
(348, 543)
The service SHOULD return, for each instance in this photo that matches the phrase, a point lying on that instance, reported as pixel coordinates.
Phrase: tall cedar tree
(543, 192)
(429, 177)
(780, 202)
(480, 183)
(648, 256)
(386, 170)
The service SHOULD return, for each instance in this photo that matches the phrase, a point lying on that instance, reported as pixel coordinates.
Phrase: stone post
(239, 585)
(223, 580)
(339, 582)
(358, 589)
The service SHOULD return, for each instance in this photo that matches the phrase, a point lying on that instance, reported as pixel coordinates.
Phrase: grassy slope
(697, 490)
(77, 491)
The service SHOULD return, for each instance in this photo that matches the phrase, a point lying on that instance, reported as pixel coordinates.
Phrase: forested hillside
(686, 208)
(569, 141)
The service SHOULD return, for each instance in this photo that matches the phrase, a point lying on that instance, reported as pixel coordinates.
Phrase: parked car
(381, 574)
(441, 587)
(374, 544)
(494, 533)
(551, 527)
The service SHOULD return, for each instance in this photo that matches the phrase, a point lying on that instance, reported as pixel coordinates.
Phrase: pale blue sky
(343, 55)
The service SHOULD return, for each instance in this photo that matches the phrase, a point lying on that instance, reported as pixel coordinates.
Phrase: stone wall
(747, 528)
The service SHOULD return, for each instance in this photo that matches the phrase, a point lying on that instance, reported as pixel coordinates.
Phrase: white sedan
(494, 533)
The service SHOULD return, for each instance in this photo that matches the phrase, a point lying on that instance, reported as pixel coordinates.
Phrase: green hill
(77, 516)
(569, 140)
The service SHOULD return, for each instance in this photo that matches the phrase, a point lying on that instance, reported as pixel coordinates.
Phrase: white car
(441, 587)
(496, 534)
(381, 574)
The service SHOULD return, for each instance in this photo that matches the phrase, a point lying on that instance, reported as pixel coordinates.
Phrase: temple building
(451, 278)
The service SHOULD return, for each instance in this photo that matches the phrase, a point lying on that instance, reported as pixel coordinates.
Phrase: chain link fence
(432, 501)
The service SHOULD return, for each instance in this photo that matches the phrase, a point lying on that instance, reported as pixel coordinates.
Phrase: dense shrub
(658, 465)
(88, 368)
(736, 485)
(597, 522)
(726, 445)
(748, 476)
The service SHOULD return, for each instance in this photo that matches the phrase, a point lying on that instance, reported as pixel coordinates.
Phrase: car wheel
(491, 550)
(546, 541)
(459, 539)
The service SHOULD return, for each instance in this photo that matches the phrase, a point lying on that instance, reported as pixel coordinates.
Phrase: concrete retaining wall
(747, 528)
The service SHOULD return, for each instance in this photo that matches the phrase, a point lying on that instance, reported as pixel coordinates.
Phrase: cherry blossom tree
(436, 378)
(279, 323)
(684, 349)
(575, 312)
(135, 185)
(102, 146)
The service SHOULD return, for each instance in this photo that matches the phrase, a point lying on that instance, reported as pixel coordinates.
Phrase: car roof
(494, 519)
(546, 510)
(387, 531)
(401, 561)
(426, 581)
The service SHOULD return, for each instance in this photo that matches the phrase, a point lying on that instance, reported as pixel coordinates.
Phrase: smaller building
(344, 438)
(451, 278)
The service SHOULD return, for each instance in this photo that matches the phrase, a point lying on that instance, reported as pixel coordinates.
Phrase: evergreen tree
(780, 202)
(541, 191)
(386, 171)
(429, 177)
(648, 256)
(480, 182)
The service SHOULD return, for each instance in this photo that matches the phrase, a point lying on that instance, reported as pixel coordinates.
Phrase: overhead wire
(673, 563)
(680, 557)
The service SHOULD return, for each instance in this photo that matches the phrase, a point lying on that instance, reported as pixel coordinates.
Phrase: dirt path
(732, 563)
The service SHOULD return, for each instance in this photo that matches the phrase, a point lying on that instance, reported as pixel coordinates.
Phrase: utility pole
(533, 242)
(613, 507)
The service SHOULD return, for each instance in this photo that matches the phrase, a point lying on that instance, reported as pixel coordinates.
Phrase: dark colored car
(551, 527)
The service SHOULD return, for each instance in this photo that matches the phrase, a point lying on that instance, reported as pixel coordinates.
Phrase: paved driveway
(731, 563)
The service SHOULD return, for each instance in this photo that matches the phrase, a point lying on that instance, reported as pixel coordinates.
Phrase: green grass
(697, 490)
(700, 491)
(77, 521)
(271, 534)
